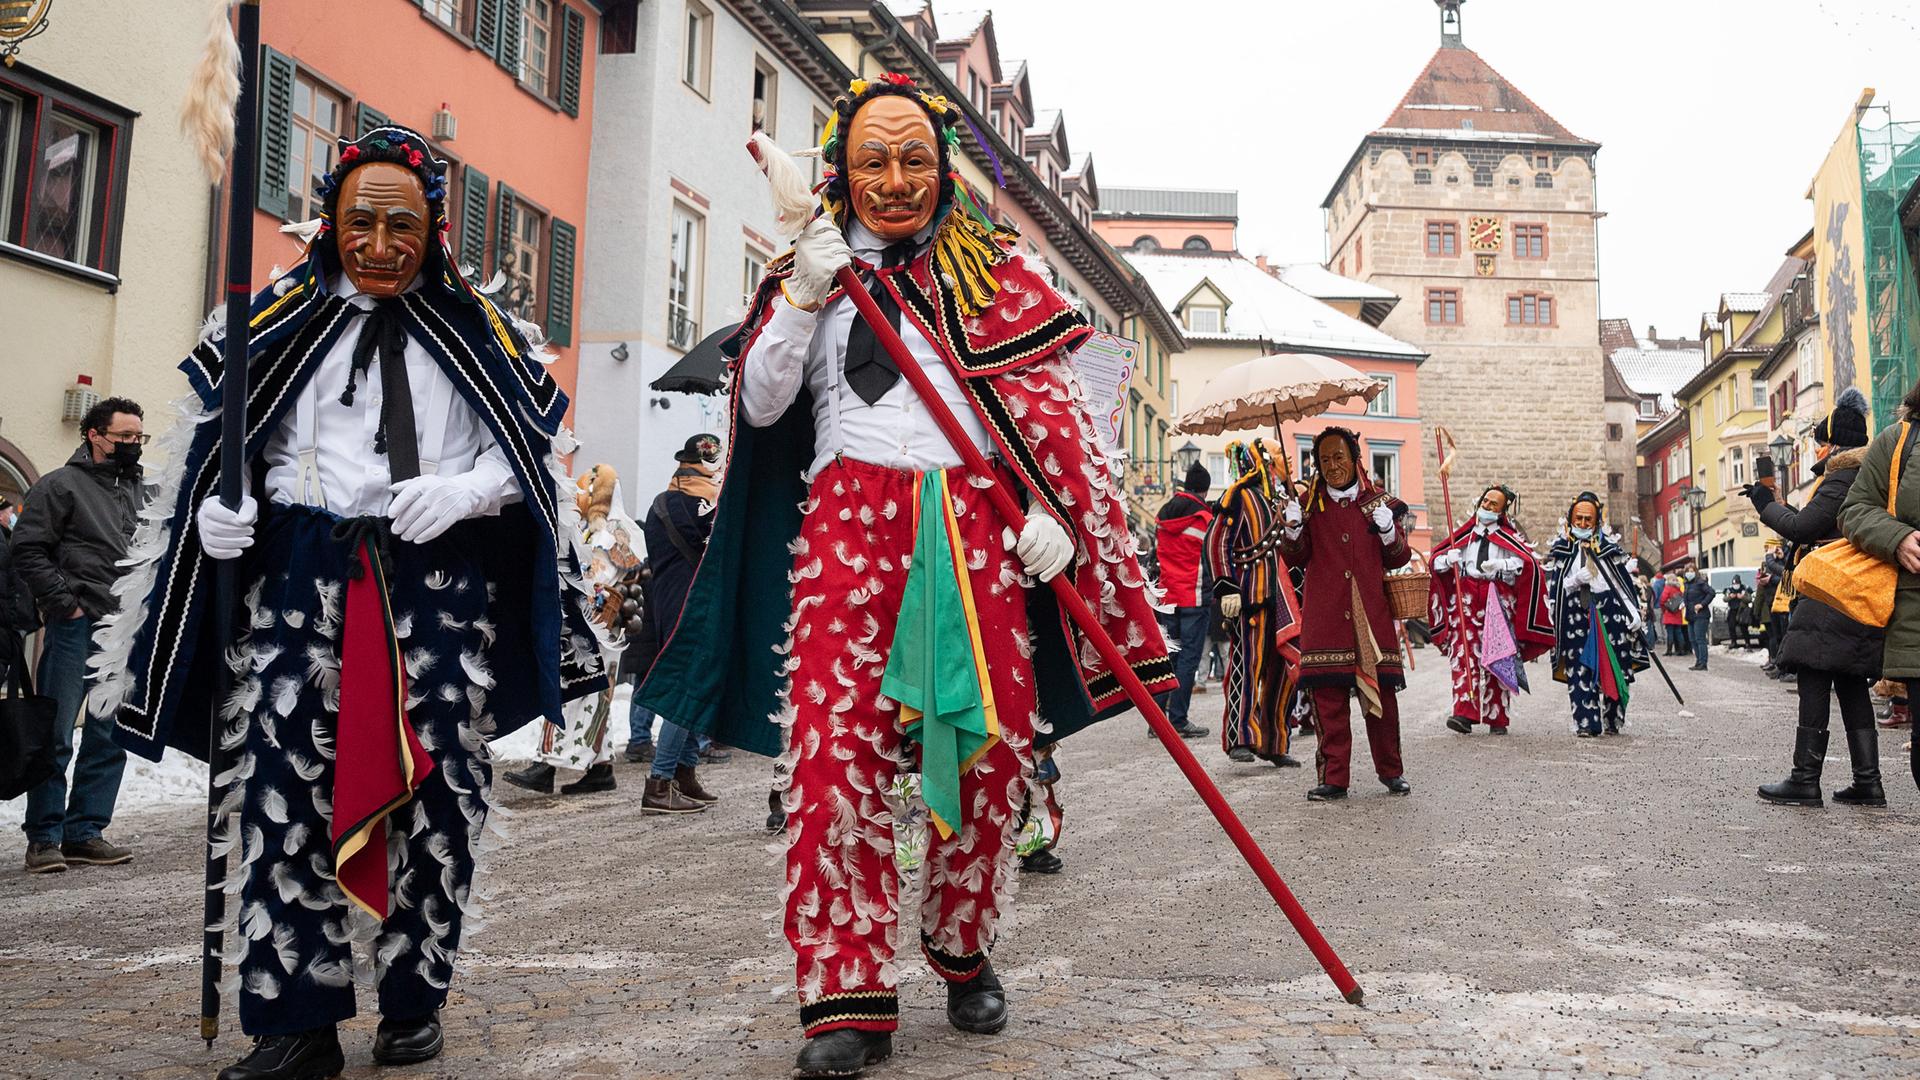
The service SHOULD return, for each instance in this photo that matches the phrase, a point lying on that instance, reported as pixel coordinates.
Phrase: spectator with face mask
(71, 536)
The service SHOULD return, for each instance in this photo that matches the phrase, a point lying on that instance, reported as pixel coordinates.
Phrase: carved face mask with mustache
(893, 167)
(384, 229)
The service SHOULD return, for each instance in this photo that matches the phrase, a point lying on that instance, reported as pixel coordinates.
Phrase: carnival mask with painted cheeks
(1336, 462)
(383, 225)
(1585, 516)
(893, 167)
(1495, 501)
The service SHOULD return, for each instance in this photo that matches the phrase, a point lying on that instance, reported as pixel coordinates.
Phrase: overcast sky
(1713, 114)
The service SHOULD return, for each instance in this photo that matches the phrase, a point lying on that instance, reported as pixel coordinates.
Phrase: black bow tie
(870, 371)
(386, 331)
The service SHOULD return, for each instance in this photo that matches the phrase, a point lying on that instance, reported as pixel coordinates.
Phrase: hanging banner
(1105, 367)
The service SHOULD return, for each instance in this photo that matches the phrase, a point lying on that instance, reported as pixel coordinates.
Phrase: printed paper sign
(1105, 366)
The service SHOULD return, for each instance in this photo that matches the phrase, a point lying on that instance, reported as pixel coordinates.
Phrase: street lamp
(1697, 499)
(1782, 450)
(1185, 458)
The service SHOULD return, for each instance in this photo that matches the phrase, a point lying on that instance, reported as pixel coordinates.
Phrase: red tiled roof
(1616, 334)
(1461, 95)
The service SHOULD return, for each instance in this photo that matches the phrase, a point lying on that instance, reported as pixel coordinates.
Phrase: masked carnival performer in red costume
(859, 589)
(1488, 644)
(1346, 538)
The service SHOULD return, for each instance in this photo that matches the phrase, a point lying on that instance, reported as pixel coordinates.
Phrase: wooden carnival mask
(1335, 459)
(384, 228)
(893, 167)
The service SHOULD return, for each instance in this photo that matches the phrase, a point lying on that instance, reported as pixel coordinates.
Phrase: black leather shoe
(1046, 862)
(1397, 785)
(1285, 762)
(1192, 731)
(1460, 724)
(1240, 754)
(845, 1052)
(408, 1041)
(1802, 785)
(978, 1005)
(1326, 793)
(535, 777)
(304, 1055)
(1492, 730)
(596, 778)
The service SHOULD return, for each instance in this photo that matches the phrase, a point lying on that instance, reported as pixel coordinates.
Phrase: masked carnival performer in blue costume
(1598, 646)
(408, 594)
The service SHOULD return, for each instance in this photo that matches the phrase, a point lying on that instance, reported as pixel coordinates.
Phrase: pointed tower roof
(1459, 96)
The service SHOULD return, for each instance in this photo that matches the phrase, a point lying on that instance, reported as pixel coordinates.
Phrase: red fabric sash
(378, 760)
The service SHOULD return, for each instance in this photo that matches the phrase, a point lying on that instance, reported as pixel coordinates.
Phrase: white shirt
(347, 477)
(896, 431)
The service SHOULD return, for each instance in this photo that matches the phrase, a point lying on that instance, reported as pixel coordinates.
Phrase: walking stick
(1083, 617)
(233, 414)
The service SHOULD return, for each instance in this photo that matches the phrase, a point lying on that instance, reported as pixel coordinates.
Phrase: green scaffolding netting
(1889, 167)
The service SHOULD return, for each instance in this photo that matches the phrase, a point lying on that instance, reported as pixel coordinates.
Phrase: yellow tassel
(966, 254)
(826, 133)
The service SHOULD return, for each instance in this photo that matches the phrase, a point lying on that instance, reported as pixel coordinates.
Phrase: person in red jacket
(1179, 538)
(1346, 537)
(1673, 613)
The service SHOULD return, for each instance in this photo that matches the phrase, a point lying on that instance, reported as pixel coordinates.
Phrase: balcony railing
(682, 328)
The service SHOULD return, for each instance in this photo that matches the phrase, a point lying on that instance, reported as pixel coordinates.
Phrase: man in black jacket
(1699, 601)
(677, 527)
(72, 534)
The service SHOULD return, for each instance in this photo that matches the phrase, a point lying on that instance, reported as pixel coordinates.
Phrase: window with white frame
(319, 120)
(1203, 318)
(1383, 404)
(1217, 468)
(1809, 360)
(1386, 468)
(819, 132)
(444, 12)
(766, 89)
(696, 69)
(536, 45)
(1759, 391)
(1737, 463)
(1648, 408)
(753, 268)
(1677, 518)
(686, 247)
(523, 258)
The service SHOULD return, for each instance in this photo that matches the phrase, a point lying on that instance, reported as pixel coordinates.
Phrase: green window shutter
(560, 284)
(366, 119)
(486, 26)
(508, 54)
(503, 227)
(473, 221)
(276, 131)
(574, 41)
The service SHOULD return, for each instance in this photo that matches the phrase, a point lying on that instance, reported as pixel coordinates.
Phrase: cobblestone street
(1539, 905)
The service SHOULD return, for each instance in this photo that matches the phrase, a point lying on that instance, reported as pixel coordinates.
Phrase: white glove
(1598, 583)
(225, 533)
(1445, 561)
(1578, 576)
(1292, 515)
(1508, 569)
(1383, 523)
(426, 506)
(818, 254)
(1230, 606)
(1043, 547)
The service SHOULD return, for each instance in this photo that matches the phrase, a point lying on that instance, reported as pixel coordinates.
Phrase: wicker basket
(1407, 594)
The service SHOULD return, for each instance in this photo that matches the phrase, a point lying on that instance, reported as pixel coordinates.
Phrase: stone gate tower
(1477, 208)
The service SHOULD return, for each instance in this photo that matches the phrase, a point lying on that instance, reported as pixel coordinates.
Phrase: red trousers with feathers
(845, 745)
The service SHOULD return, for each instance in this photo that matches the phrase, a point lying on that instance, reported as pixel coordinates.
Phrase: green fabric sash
(937, 670)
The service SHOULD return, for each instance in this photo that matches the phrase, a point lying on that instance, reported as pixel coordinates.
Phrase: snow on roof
(1263, 307)
(959, 25)
(1746, 303)
(1323, 284)
(1044, 121)
(1658, 372)
(904, 8)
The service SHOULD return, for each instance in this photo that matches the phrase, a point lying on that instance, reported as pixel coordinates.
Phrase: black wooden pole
(233, 415)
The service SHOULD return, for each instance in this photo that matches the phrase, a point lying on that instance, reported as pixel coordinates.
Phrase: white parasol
(1270, 390)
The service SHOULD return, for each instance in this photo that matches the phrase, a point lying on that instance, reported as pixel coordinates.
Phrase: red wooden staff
(1083, 617)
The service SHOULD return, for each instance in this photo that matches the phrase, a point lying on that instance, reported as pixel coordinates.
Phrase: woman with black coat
(1833, 655)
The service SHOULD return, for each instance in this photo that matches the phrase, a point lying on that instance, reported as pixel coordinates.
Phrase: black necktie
(870, 371)
(386, 331)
